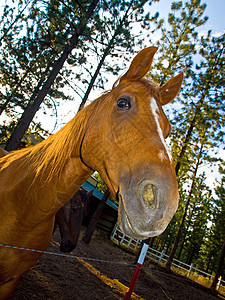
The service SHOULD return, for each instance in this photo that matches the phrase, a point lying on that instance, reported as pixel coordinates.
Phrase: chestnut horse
(122, 136)
(69, 219)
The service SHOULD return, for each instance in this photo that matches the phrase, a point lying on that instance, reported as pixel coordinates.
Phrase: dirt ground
(63, 278)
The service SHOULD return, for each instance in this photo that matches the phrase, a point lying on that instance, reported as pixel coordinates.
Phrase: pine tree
(30, 111)
(219, 229)
(178, 236)
(120, 36)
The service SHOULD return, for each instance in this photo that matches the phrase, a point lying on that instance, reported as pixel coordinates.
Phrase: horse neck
(49, 173)
(61, 167)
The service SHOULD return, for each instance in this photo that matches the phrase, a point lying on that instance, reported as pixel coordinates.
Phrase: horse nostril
(67, 247)
(63, 248)
(148, 195)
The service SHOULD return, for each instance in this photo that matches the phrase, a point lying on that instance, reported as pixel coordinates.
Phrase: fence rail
(160, 257)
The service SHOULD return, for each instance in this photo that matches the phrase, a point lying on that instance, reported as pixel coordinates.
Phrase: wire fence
(190, 271)
(66, 255)
(119, 238)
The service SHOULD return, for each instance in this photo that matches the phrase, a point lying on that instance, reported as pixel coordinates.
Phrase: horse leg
(7, 288)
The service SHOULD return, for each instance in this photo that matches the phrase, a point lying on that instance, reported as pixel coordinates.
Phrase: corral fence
(179, 267)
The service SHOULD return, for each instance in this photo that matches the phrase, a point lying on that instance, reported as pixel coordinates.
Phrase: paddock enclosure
(62, 278)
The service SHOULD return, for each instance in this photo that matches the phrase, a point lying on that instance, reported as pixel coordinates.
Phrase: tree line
(61, 50)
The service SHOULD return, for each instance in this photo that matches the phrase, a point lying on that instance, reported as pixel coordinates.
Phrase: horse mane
(47, 159)
(50, 156)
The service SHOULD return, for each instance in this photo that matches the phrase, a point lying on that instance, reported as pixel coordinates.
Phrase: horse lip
(120, 198)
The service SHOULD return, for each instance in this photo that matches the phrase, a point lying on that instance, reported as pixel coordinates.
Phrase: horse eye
(124, 103)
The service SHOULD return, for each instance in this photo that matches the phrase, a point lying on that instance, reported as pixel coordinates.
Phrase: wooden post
(136, 271)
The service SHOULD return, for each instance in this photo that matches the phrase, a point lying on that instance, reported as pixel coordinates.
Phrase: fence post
(218, 283)
(136, 271)
(189, 273)
(136, 245)
(121, 242)
(130, 241)
(161, 256)
(114, 232)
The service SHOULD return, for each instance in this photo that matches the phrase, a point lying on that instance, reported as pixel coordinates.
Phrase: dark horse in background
(69, 219)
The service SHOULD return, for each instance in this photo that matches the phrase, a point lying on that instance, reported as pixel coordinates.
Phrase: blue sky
(215, 11)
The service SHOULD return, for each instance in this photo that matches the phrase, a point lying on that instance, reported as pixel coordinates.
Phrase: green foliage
(101, 186)
(35, 34)
(197, 119)
(178, 41)
(214, 239)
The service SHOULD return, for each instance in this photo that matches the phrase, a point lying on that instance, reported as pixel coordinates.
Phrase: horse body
(28, 204)
(122, 136)
(69, 219)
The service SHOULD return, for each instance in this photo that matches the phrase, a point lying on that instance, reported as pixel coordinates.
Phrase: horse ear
(171, 89)
(140, 65)
(3, 152)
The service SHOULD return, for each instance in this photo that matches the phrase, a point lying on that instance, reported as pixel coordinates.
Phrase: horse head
(124, 140)
(69, 219)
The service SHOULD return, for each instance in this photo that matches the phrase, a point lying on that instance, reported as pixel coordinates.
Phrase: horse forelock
(151, 86)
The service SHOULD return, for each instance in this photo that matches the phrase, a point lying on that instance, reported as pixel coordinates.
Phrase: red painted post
(136, 271)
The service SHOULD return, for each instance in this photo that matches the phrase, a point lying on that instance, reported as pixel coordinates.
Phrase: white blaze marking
(155, 111)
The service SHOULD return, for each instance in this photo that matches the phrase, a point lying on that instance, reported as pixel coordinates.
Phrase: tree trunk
(209, 262)
(28, 115)
(190, 257)
(152, 242)
(34, 94)
(91, 227)
(219, 270)
(197, 111)
(181, 248)
(177, 238)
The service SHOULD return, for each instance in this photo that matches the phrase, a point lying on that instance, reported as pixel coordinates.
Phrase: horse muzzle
(146, 211)
(67, 247)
